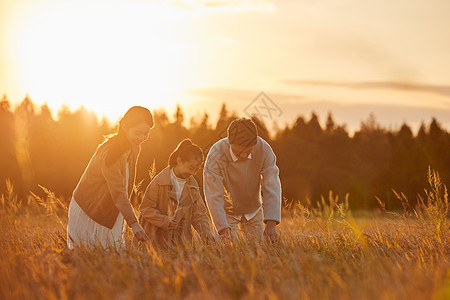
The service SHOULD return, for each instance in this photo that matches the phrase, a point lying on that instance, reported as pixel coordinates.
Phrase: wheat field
(325, 251)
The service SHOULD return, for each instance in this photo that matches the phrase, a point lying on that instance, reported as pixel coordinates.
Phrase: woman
(172, 201)
(100, 202)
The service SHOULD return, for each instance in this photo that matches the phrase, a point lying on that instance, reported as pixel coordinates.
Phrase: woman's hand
(139, 232)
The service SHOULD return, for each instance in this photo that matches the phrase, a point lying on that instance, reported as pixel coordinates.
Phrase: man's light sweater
(234, 187)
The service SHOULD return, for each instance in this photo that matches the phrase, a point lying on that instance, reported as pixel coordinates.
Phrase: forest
(315, 157)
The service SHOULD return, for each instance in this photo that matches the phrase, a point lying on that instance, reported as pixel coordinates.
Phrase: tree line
(37, 149)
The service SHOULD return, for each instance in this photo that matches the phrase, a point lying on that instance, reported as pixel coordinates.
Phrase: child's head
(187, 158)
(242, 136)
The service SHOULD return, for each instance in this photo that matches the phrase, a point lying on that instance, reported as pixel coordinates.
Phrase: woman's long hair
(118, 141)
(185, 150)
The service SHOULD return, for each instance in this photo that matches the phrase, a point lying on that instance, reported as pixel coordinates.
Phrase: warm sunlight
(102, 56)
(224, 149)
(305, 55)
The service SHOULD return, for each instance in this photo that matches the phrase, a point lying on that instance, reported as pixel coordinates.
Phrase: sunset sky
(350, 57)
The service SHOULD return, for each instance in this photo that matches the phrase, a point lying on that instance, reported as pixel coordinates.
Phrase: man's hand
(225, 234)
(270, 233)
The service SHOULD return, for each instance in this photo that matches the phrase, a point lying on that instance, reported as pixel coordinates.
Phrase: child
(100, 202)
(172, 201)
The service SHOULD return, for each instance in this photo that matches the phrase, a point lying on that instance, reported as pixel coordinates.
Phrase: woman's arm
(116, 182)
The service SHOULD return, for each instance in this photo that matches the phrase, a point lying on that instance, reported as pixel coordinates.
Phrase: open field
(324, 253)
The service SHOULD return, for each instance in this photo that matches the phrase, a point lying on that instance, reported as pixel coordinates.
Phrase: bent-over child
(172, 202)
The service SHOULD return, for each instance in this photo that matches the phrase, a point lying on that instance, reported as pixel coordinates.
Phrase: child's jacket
(159, 205)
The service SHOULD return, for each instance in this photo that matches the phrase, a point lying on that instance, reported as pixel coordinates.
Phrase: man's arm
(214, 190)
(271, 186)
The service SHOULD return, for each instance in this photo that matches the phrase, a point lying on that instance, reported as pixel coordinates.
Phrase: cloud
(442, 90)
(225, 5)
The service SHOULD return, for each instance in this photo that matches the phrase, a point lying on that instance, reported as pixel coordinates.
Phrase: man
(236, 170)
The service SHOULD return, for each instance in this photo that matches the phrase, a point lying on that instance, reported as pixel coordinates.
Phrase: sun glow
(106, 57)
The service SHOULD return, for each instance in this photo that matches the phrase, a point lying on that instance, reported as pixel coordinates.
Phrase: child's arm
(148, 207)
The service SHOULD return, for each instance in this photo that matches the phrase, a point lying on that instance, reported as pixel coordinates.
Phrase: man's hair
(242, 132)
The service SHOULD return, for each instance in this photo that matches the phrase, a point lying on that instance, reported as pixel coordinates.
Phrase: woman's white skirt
(82, 231)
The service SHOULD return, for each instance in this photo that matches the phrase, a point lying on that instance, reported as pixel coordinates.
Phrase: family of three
(241, 187)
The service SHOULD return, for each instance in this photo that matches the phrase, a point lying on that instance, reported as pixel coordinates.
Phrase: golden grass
(323, 253)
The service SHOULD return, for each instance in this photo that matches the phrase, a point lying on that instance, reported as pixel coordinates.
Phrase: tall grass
(324, 253)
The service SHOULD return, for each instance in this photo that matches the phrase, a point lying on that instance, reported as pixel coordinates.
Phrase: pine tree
(9, 166)
(24, 117)
(179, 116)
(330, 125)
